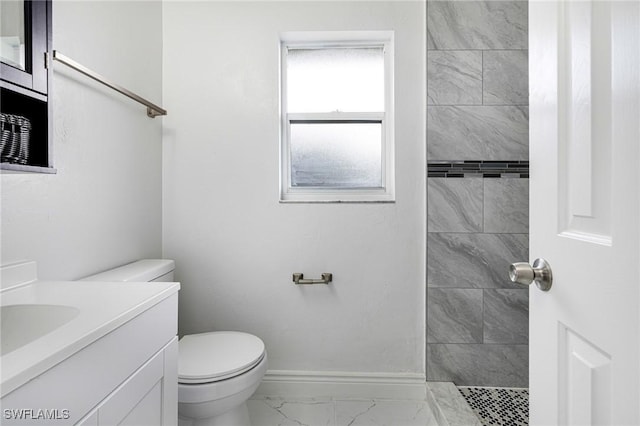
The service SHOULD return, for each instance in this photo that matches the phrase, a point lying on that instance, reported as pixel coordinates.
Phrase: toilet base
(238, 416)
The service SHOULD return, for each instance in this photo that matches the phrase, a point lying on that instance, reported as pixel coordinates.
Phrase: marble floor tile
(452, 406)
(286, 412)
(387, 413)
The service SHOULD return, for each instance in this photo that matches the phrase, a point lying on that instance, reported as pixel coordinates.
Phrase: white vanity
(87, 353)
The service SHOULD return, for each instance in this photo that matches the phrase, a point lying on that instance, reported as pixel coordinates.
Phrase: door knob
(540, 272)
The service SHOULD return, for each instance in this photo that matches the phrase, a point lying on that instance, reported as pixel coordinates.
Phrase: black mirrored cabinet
(25, 79)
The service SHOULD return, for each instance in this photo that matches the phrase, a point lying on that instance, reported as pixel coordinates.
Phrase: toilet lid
(219, 355)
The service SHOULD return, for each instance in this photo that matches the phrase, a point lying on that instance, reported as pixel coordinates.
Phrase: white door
(584, 67)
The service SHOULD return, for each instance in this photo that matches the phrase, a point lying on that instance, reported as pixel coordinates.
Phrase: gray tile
(454, 315)
(505, 77)
(454, 77)
(477, 24)
(430, 44)
(506, 205)
(474, 260)
(479, 365)
(506, 316)
(450, 407)
(477, 133)
(454, 205)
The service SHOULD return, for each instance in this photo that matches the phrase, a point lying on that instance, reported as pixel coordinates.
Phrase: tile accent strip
(485, 169)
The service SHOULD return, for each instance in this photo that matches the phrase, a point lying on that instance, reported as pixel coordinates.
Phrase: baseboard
(344, 385)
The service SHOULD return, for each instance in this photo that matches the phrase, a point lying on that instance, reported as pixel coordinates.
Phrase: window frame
(326, 40)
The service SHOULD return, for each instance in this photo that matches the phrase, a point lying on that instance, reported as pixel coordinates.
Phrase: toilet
(217, 371)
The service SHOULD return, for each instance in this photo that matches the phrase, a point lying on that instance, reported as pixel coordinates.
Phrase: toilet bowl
(217, 371)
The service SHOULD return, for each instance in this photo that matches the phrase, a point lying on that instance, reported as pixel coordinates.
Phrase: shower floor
(498, 406)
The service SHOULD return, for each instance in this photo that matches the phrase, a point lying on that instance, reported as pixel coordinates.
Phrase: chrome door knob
(540, 272)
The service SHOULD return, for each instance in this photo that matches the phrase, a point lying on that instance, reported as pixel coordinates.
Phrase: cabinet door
(24, 40)
(144, 397)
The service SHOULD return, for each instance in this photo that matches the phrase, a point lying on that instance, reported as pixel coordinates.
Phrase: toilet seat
(215, 356)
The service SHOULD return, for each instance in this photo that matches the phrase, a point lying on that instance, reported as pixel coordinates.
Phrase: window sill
(324, 195)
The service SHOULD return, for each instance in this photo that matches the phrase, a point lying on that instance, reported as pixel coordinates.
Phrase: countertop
(103, 307)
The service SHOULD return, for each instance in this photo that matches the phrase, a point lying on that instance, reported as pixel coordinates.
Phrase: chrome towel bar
(152, 109)
(326, 279)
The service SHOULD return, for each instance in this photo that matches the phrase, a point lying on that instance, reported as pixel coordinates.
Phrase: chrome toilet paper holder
(298, 278)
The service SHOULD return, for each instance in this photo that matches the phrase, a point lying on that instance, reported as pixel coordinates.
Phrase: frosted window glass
(326, 80)
(338, 155)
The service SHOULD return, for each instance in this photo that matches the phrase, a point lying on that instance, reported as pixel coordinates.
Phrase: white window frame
(333, 39)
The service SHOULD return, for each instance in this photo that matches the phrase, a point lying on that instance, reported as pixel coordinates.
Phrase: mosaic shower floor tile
(498, 406)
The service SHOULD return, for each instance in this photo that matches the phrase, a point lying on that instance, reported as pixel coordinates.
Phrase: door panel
(584, 102)
(585, 381)
(584, 68)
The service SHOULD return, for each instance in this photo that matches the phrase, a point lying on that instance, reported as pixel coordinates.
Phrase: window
(337, 117)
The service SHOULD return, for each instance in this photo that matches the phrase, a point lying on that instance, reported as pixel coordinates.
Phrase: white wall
(103, 207)
(236, 246)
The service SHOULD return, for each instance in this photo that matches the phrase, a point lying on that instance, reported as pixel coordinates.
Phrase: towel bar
(152, 109)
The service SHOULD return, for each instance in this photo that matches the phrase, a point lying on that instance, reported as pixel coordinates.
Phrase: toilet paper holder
(298, 278)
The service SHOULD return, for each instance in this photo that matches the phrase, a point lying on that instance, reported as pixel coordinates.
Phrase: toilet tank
(141, 270)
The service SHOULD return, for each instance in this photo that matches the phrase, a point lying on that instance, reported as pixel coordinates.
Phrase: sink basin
(22, 324)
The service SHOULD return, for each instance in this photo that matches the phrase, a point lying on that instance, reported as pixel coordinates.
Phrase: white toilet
(217, 371)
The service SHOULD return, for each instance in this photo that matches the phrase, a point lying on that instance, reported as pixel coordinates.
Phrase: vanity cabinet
(25, 78)
(127, 377)
(145, 398)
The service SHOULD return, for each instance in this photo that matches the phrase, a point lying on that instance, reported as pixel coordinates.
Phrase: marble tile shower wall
(477, 320)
